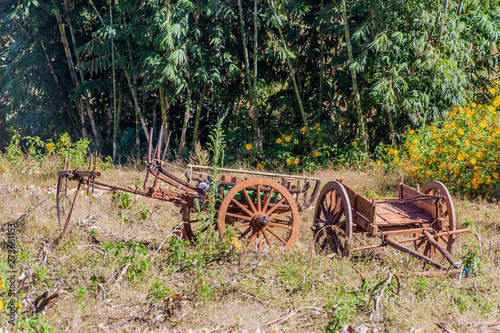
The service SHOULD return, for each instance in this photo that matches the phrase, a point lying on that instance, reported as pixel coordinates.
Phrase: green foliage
(462, 150)
(470, 260)
(33, 324)
(122, 199)
(81, 296)
(157, 292)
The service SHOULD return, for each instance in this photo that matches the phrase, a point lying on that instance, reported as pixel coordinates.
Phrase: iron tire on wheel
(332, 225)
(270, 219)
(447, 211)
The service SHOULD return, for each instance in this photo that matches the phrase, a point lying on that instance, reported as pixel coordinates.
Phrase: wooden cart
(259, 211)
(424, 218)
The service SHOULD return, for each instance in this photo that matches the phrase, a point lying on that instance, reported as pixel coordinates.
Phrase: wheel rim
(270, 219)
(332, 226)
(447, 211)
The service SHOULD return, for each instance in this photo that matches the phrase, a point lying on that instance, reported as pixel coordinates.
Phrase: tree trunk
(164, 107)
(321, 63)
(198, 113)
(361, 120)
(253, 112)
(292, 74)
(186, 120)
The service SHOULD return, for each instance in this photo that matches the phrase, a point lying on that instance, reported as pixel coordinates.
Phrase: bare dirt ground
(116, 270)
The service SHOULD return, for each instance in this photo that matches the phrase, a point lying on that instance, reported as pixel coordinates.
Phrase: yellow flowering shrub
(462, 151)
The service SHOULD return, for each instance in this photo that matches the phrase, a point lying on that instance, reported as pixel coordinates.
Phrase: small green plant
(470, 260)
(157, 292)
(137, 257)
(122, 199)
(342, 312)
(144, 213)
(421, 287)
(123, 217)
(81, 296)
(41, 273)
(467, 223)
(488, 214)
(33, 324)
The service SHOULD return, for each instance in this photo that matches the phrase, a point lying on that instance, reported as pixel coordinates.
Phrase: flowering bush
(462, 151)
(33, 152)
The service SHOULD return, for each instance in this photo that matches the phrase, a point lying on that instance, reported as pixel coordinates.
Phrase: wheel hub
(260, 221)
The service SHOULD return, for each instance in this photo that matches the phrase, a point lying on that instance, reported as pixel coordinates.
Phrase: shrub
(462, 150)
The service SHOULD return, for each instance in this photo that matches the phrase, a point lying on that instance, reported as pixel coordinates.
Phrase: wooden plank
(359, 204)
(428, 206)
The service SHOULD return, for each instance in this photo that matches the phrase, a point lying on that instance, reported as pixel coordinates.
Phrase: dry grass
(285, 291)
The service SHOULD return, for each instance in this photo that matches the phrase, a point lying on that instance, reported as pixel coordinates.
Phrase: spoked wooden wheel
(445, 211)
(262, 212)
(332, 226)
(196, 222)
(65, 202)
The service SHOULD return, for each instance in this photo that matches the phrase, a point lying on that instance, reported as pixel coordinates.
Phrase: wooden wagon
(260, 211)
(424, 218)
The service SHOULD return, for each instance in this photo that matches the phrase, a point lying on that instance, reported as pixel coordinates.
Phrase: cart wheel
(332, 226)
(446, 211)
(192, 227)
(270, 219)
(65, 202)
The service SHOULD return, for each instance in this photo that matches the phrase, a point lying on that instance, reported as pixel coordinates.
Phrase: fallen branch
(293, 313)
(376, 315)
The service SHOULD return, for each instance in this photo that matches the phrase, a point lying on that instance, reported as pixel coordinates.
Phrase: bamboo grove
(318, 75)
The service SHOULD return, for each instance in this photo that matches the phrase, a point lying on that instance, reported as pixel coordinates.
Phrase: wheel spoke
(275, 234)
(241, 225)
(250, 201)
(238, 216)
(277, 216)
(268, 199)
(259, 204)
(266, 237)
(270, 211)
(252, 238)
(277, 225)
(323, 209)
(243, 208)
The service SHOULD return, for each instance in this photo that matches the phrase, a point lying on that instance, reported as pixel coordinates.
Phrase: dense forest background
(294, 80)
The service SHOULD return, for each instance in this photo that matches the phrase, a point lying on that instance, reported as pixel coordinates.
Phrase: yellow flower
(460, 131)
(4, 169)
(396, 151)
(1, 304)
(355, 144)
(395, 160)
(440, 141)
(407, 144)
(495, 175)
(432, 128)
(319, 129)
(379, 162)
(260, 165)
(278, 140)
(248, 146)
(448, 116)
(49, 146)
(304, 129)
(296, 161)
(316, 153)
(289, 161)
(317, 125)
(482, 124)
(236, 243)
(493, 91)
(490, 108)
(288, 138)
(391, 151)
(479, 154)
(63, 139)
(473, 104)
(1, 284)
(415, 141)
(473, 161)
(411, 132)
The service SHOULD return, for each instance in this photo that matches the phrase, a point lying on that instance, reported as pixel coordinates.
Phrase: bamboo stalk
(361, 121)
(198, 113)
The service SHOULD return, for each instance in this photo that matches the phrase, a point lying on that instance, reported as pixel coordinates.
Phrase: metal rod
(251, 172)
